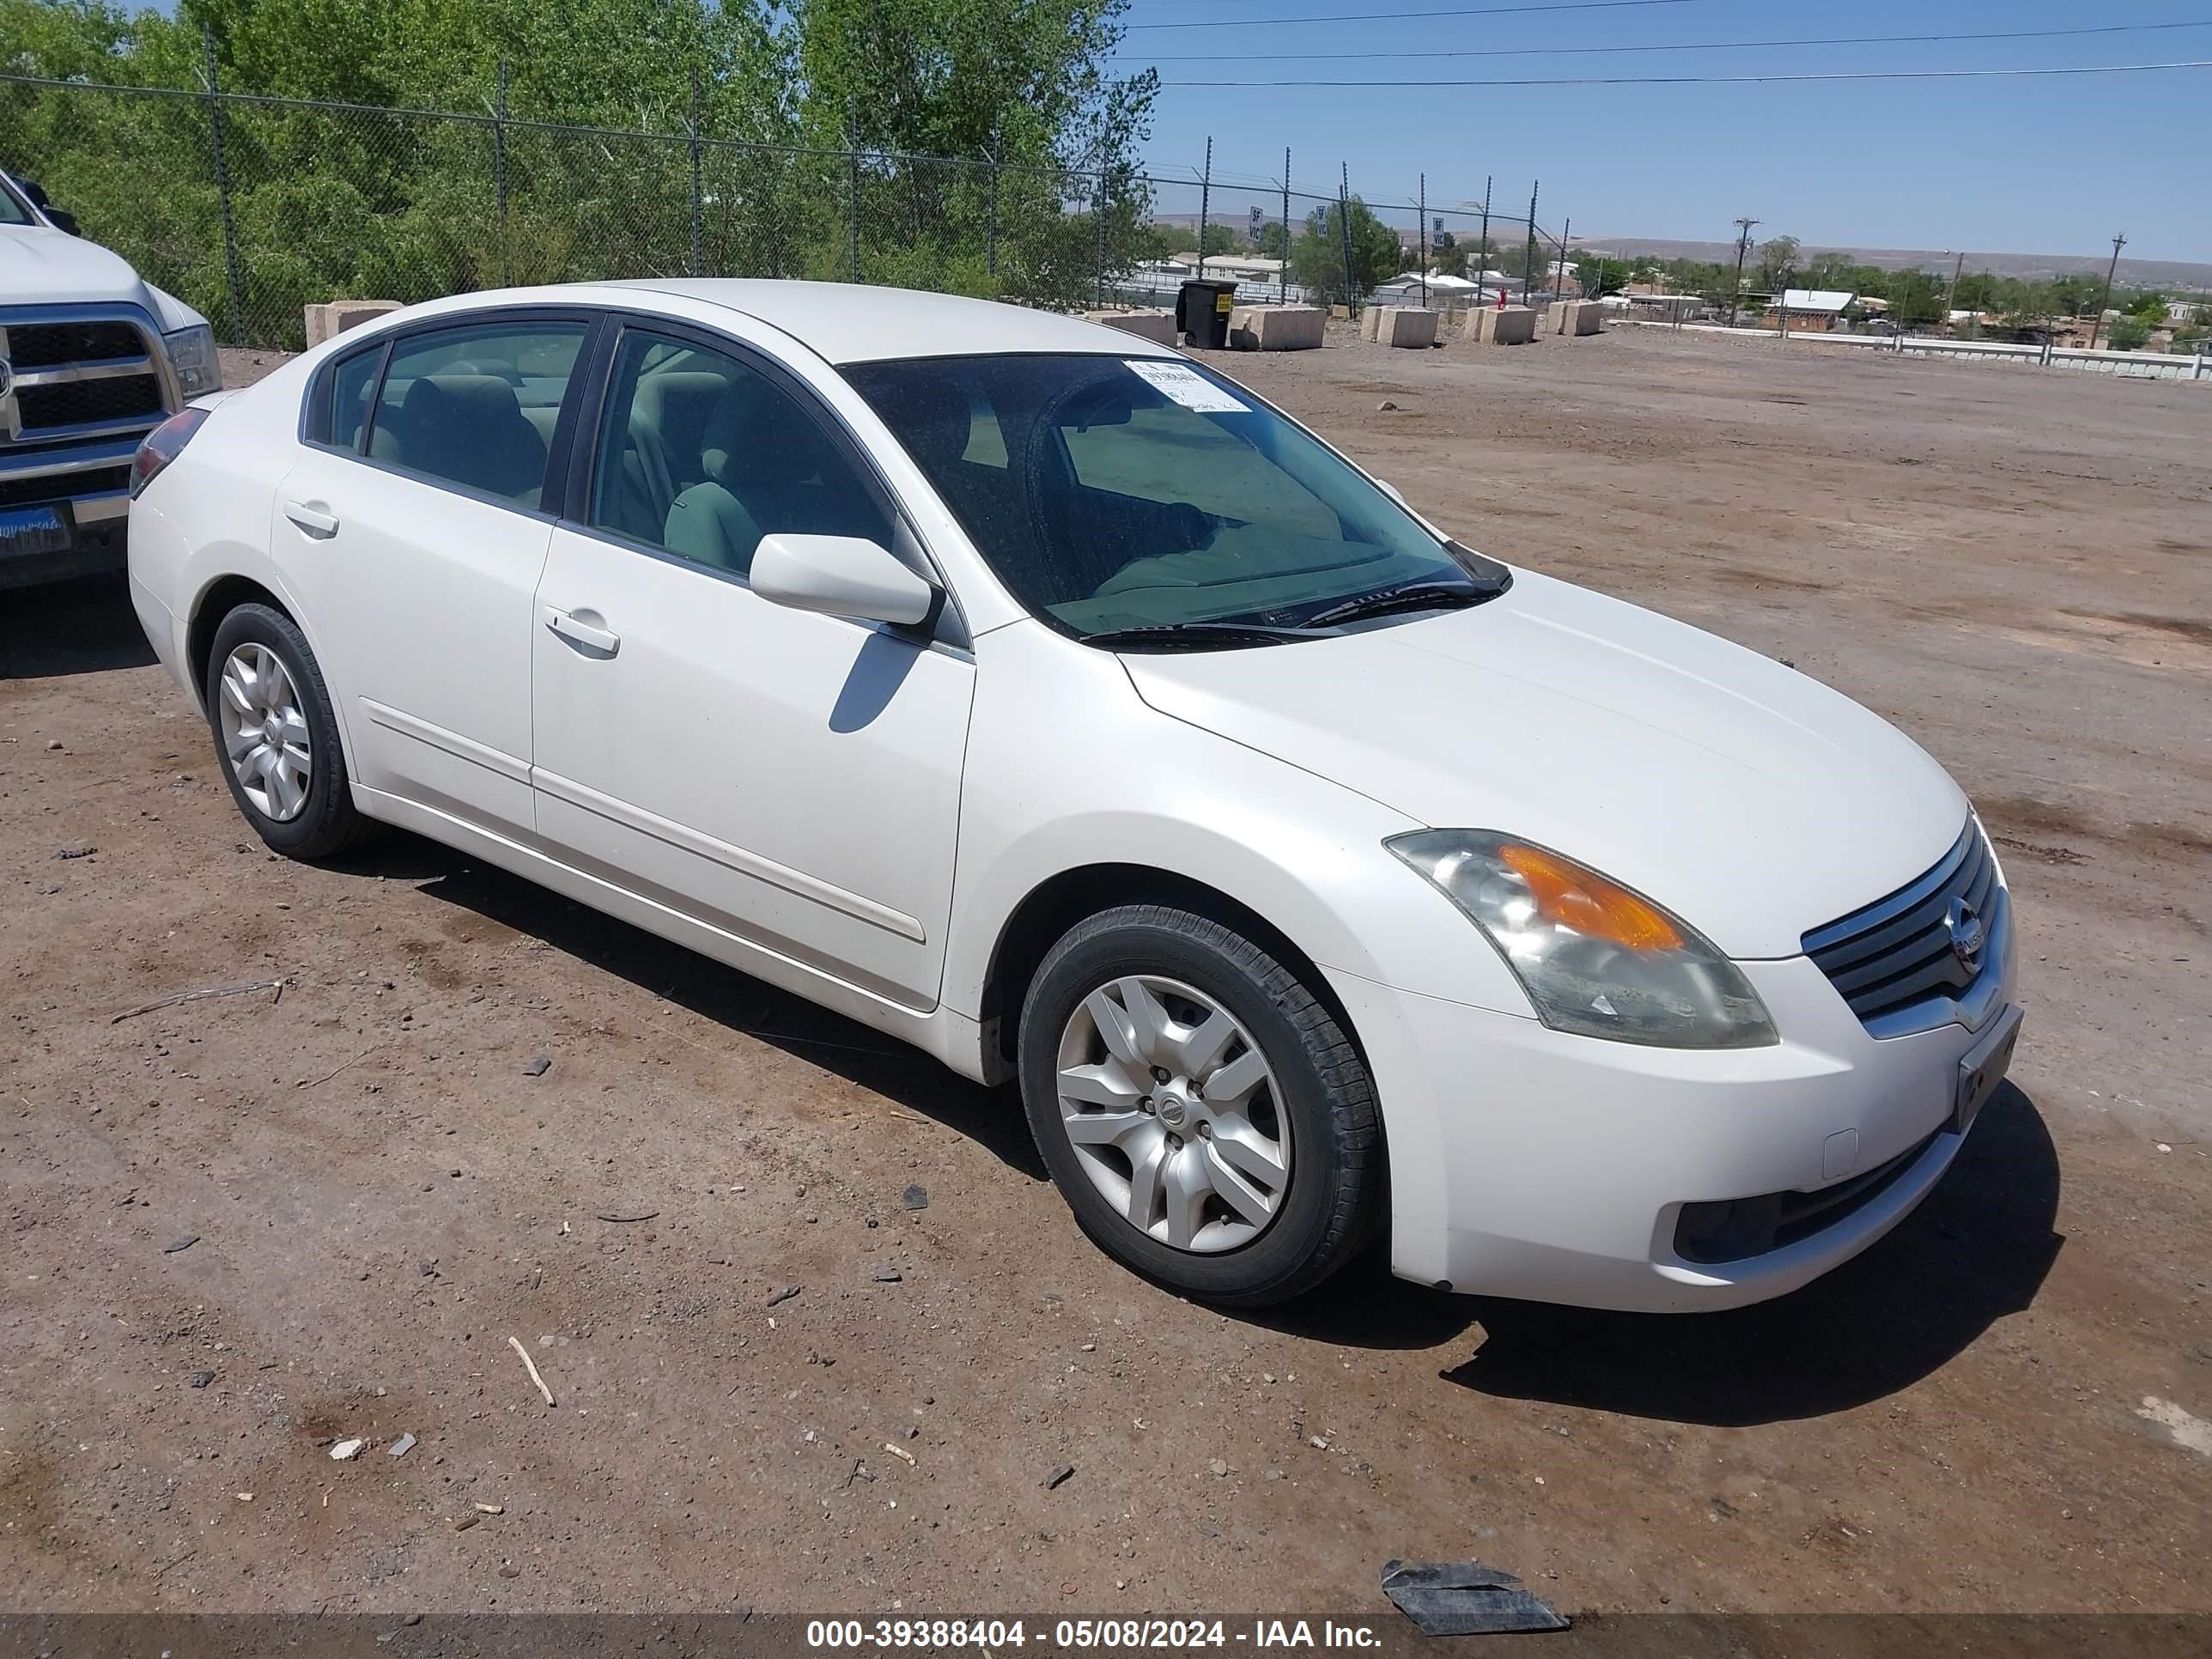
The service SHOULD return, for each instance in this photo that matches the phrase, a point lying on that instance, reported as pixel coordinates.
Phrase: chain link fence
(250, 208)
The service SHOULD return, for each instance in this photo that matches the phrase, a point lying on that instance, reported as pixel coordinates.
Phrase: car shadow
(1977, 1249)
(81, 627)
(990, 1117)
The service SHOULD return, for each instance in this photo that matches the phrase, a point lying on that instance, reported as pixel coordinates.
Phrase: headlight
(1593, 958)
(193, 354)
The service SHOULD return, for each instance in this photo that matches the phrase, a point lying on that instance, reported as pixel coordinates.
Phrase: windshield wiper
(1197, 636)
(1410, 596)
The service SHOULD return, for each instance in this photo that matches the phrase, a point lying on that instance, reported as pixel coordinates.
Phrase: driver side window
(702, 454)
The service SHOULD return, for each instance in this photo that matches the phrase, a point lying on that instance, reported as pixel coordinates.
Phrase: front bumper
(1527, 1162)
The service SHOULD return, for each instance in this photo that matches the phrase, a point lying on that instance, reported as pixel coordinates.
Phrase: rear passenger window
(702, 455)
(350, 389)
(476, 406)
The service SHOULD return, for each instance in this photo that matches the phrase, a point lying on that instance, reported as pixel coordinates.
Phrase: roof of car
(851, 323)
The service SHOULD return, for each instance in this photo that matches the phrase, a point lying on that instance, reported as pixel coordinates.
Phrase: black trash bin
(1202, 311)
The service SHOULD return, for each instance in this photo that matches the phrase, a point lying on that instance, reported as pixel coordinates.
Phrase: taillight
(161, 446)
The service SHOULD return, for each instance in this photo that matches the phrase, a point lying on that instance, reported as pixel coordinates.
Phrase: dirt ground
(2001, 1407)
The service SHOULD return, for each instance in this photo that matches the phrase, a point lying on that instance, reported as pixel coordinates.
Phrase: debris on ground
(466, 1522)
(783, 1295)
(916, 1199)
(538, 1066)
(80, 849)
(201, 1379)
(626, 1215)
(346, 1450)
(887, 1275)
(1218, 1466)
(400, 1447)
(898, 1451)
(1465, 1598)
(531, 1365)
(1384, 407)
(1062, 1473)
(183, 1243)
(490, 1509)
(180, 997)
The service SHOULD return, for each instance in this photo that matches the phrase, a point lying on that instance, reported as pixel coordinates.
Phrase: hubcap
(264, 734)
(1174, 1114)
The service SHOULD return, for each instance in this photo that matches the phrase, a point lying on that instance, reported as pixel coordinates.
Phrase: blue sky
(2054, 164)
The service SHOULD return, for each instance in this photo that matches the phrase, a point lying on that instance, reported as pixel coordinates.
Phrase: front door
(416, 536)
(790, 779)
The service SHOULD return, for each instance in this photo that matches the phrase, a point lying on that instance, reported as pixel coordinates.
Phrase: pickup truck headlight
(1595, 958)
(193, 355)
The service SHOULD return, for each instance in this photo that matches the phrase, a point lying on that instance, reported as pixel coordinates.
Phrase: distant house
(1811, 310)
(2184, 311)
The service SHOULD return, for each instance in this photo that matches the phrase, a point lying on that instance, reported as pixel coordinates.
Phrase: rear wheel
(1204, 1116)
(276, 736)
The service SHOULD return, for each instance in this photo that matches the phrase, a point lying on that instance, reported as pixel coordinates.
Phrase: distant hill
(2040, 267)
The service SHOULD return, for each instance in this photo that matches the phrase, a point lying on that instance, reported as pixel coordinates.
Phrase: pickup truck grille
(52, 345)
(81, 402)
(1897, 954)
(76, 377)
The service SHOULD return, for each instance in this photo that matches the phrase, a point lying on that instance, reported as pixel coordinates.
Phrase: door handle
(582, 633)
(312, 517)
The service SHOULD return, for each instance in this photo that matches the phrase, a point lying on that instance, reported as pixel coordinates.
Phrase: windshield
(1112, 494)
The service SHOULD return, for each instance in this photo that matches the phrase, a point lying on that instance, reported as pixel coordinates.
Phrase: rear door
(413, 524)
(787, 778)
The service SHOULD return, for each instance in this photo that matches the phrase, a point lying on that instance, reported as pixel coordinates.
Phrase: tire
(321, 821)
(1221, 1228)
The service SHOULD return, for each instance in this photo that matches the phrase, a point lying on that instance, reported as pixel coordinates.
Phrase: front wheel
(1204, 1116)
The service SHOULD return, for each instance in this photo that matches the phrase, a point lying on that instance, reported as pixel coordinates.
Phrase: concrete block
(1409, 326)
(1573, 317)
(328, 321)
(1514, 325)
(1276, 328)
(1342, 313)
(1371, 321)
(1157, 326)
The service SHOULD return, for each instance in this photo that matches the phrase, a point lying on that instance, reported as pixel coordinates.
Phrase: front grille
(1897, 952)
(81, 402)
(64, 486)
(51, 345)
(1735, 1229)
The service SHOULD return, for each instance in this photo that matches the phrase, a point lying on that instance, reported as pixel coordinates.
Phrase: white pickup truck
(91, 358)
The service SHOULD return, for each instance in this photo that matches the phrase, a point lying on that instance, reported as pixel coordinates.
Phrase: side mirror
(55, 217)
(1392, 491)
(840, 576)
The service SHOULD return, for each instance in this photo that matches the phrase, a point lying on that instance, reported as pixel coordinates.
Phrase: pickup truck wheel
(1204, 1116)
(277, 737)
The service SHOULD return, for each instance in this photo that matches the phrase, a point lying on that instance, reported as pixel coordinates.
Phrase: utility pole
(1283, 276)
(2111, 271)
(1951, 293)
(1482, 253)
(1566, 230)
(1742, 248)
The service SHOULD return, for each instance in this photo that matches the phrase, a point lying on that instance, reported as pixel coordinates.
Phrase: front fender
(1068, 768)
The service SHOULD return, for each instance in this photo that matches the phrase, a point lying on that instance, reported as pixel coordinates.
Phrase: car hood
(40, 265)
(1754, 803)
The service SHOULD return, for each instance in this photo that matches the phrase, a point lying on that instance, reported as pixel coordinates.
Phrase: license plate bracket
(1982, 1069)
(27, 530)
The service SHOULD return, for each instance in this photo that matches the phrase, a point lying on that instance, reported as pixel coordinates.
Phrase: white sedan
(1047, 700)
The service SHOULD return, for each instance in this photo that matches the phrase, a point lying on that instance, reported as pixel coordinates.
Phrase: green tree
(1333, 240)
(1777, 256)
(2129, 333)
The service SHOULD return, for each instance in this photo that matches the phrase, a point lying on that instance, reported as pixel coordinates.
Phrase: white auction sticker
(1188, 388)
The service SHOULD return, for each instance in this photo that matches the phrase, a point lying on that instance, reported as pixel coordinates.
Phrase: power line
(1729, 79)
(1687, 45)
(1385, 16)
